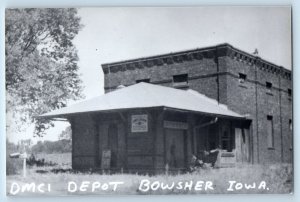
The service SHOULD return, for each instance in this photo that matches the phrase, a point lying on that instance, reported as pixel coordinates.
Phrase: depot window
(268, 85)
(270, 132)
(180, 80)
(143, 80)
(242, 77)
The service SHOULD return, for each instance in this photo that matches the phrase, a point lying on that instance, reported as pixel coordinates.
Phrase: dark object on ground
(60, 170)
(15, 155)
(212, 158)
(195, 163)
(41, 171)
(31, 161)
(205, 158)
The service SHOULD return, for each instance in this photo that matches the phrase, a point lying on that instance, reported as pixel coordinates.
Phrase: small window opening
(269, 85)
(270, 132)
(291, 124)
(289, 92)
(225, 141)
(242, 77)
(143, 80)
(180, 80)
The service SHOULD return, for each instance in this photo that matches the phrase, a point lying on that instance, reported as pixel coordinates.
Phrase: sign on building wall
(139, 123)
(175, 125)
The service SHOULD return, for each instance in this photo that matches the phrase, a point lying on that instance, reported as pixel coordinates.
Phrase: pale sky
(113, 34)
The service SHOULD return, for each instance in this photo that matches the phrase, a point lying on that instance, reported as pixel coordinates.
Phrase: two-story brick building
(247, 84)
(223, 97)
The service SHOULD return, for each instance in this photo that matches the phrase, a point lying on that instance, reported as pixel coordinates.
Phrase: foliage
(38, 162)
(62, 160)
(66, 134)
(49, 147)
(45, 153)
(41, 63)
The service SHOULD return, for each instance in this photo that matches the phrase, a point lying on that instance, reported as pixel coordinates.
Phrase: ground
(263, 179)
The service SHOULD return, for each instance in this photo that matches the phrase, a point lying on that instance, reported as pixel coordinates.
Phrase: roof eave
(70, 115)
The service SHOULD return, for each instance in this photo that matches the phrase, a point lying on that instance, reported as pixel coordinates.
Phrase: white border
(86, 3)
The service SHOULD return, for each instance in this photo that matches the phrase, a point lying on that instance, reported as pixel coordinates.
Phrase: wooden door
(113, 144)
(242, 145)
(238, 144)
(175, 148)
(246, 145)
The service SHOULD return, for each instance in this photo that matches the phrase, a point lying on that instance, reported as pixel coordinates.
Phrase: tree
(41, 63)
(49, 147)
(66, 134)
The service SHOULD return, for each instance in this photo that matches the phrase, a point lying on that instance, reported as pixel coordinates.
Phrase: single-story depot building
(144, 127)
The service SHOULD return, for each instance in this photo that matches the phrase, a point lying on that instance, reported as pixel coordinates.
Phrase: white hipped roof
(145, 95)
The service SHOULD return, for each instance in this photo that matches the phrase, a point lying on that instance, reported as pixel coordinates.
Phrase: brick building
(160, 110)
(247, 84)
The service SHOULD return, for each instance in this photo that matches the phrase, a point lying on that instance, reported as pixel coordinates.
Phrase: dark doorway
(113, 144)
(202, 142)
(175, 148)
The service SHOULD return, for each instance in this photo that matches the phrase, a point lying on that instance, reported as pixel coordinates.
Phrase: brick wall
(215, 71)
(254, 98)
(286, 114)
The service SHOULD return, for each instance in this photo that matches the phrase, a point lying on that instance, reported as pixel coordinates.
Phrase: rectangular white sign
(139, 123)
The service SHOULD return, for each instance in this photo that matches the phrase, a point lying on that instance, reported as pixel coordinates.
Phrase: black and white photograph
(149, 100)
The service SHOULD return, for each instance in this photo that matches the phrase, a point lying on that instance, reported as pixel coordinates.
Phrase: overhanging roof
(145, 95)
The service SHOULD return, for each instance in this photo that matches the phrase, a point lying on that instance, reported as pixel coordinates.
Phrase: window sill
(181, 85)
(243, 86)
(271, 148)
(269, 93)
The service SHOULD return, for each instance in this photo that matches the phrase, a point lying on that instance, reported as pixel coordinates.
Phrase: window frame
(270, 134)
(290, 93)
(242, 77)
(147, 80)
(183, 83)
(269, 85)
(290, 124)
